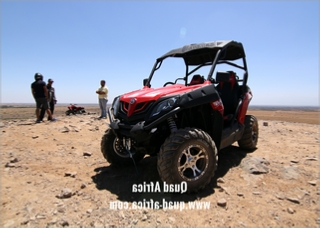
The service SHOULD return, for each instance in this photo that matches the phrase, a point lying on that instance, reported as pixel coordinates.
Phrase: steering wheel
(167, 83)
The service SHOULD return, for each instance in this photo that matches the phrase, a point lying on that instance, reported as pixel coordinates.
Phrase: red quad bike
(185, 124)
(74, 109)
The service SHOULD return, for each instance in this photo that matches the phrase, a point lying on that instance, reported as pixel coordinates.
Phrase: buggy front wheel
(114, 151)
(188, 155)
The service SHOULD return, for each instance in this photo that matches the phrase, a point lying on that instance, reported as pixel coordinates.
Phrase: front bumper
(139, 131)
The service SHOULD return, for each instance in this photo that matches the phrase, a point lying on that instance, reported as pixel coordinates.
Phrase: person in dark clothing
(40, 94)
(52, 100)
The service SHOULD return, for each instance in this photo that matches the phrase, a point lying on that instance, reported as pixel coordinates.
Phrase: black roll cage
(224, 54)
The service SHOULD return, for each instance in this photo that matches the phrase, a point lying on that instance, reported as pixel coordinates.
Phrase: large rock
(255, 165)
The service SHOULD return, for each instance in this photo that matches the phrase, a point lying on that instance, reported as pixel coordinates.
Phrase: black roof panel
(195, 54)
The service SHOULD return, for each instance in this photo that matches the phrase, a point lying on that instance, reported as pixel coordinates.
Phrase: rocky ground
(53, 175)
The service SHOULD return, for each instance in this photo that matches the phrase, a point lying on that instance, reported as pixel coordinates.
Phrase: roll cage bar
(206, 54)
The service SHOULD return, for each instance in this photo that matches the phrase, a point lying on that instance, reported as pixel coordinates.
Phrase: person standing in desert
(52, 99)
(40, 94)
(102, 92)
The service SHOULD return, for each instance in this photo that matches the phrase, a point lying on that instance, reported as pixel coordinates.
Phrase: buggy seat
(228, 89)
(196, 79)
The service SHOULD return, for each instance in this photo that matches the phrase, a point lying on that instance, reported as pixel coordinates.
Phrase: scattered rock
(64, 223)
(64, 130)
(290, 210)
(280, 197)
(87, 154)
(70, 174)
(65, 193)
(74, 128)
(52, 222)
(10, 165)
(222, 202)
(83, 185)
(25, 221)
(311, 159)
(313, 182)
(14, 160)
(89, 211)
(61, 210)
(35, 136)
(265, 124)
(294, 161)
(293, 200)
(40, 216)
(144, 218)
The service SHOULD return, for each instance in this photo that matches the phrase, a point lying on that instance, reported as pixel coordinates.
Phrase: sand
(53, 174)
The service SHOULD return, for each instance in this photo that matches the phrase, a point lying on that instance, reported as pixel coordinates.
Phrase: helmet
(38, 76)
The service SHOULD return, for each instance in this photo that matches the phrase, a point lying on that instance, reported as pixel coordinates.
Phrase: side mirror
(145, 81)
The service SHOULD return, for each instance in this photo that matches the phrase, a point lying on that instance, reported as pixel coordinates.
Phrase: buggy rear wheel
(115, 153)
(188, 155)
(250, 136)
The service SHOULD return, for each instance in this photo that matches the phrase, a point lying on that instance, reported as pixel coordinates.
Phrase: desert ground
(54, 175)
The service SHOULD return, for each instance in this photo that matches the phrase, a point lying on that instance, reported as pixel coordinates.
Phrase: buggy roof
(196, 54)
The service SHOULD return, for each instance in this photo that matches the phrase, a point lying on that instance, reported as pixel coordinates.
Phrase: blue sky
(79, 43)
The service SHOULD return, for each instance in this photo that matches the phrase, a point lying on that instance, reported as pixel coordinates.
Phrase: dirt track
(53, 174)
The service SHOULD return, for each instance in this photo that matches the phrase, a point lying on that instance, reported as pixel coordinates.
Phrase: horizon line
(68, 103)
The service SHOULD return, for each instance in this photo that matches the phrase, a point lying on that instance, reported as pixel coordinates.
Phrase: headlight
(165, 105)
(116, 105)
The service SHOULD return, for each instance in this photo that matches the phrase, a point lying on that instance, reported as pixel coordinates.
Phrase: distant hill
(285, 108)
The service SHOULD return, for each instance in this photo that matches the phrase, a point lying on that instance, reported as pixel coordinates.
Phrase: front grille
(139, 107)
(139, 112)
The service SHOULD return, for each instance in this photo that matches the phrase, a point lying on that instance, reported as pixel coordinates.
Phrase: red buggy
(187, 121)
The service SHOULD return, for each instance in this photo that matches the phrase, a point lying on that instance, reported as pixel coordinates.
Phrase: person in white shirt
(103, 98)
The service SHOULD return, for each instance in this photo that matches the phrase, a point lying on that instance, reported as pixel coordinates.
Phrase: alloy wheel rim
(120, 150)
(193, 163)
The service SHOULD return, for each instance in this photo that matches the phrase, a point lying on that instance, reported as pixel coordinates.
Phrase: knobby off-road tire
(68, 112)
(250, 136)
(114, 151)
(188, 155)
(81, 111)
